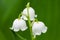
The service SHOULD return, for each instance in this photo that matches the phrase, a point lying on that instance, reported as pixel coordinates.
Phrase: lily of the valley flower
(31, 13)
(38, 28)
(19, 24)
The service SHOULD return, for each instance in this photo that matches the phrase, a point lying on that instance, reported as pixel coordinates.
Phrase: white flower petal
(16, 25)
(24, 17)
(44, 30)
(19, 24)
(23, 28)
(16, 30)
(23, 25)
(36, 16)
(31, 13)
(38, 28)
(11, 28)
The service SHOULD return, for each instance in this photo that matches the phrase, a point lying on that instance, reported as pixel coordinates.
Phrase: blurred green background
(48, 11)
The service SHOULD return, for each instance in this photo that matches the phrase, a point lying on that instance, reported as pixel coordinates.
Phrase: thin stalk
(30, 28)
(20, 37)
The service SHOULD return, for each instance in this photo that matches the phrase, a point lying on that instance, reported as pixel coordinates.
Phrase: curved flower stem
(20, 37)
(19, 16)
(30, 28)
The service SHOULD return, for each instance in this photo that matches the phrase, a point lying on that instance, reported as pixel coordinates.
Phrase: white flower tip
(11, 28)
(38, 33)
(16, 30)
(23, 29)
(35, 16)
(44, 30)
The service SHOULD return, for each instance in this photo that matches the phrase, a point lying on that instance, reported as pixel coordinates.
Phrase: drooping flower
(19, 24)
(31, 13)
(38, 28)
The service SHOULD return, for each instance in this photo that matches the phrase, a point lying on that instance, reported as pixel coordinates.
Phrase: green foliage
(48, 11)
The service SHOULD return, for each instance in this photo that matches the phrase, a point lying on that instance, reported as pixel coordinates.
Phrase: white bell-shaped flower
(38, 28)
(19, 24)
(31, 13)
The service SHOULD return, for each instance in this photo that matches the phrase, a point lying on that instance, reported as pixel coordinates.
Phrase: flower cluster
(28, 14)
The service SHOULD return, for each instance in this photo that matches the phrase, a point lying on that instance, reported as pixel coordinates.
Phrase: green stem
(19, 16)
(30, 28)
(20, 37)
